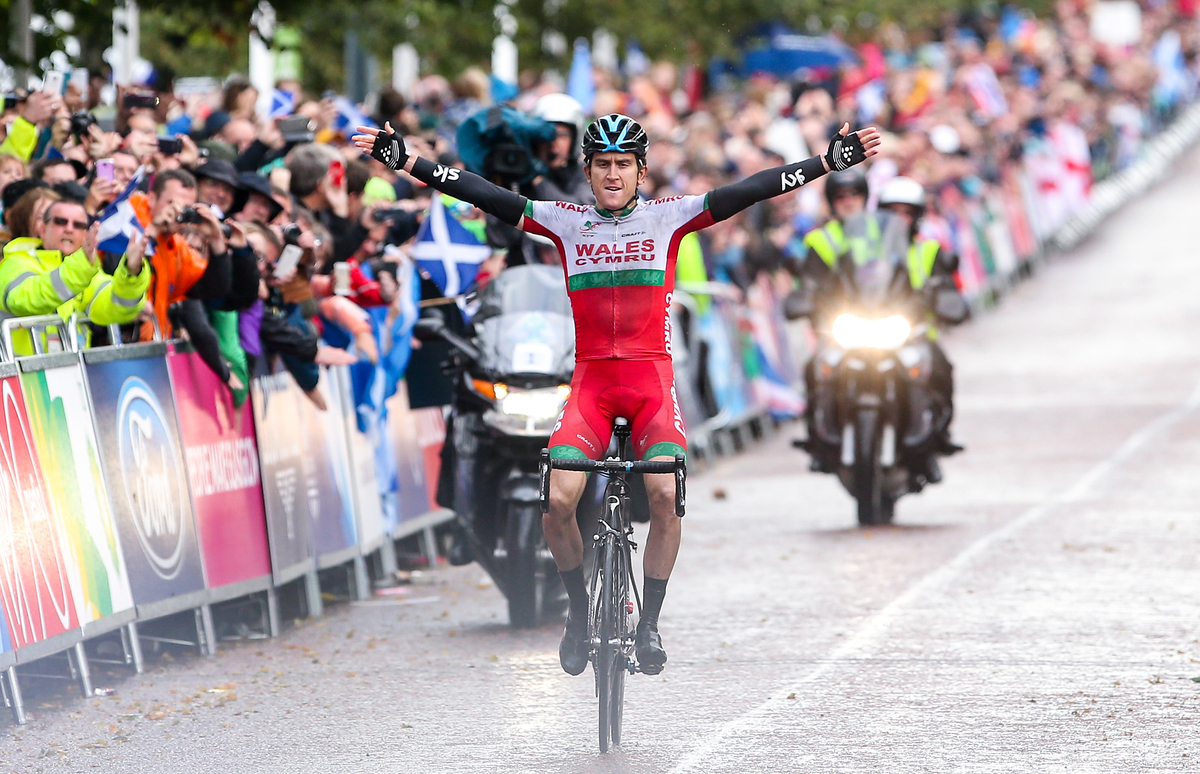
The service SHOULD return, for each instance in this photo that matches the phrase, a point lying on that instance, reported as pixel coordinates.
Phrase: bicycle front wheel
(610, 660)
(619, 604)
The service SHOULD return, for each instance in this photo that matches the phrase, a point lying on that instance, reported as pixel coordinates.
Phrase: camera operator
(533, 155)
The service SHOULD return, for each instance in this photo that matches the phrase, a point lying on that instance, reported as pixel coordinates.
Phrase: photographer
(179, 272)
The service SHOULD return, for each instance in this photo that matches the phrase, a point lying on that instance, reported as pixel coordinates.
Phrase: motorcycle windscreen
(524, 323)
(878, 245)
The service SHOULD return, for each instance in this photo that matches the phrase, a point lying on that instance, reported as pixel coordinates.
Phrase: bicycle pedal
(633, 546)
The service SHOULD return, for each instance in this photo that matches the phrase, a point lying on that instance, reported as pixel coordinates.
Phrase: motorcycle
(512, 379)
(874, 416)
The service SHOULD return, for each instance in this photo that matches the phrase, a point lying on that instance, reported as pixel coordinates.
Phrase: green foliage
(208, 37)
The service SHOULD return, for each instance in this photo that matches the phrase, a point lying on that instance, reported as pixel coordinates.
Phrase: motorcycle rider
(619, 259)
(931, 272)
(846, 194)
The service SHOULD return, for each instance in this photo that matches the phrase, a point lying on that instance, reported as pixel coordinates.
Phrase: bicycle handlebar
(678, 466)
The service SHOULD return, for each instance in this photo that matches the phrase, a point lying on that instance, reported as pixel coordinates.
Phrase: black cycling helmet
(854, 179)
(615, 133)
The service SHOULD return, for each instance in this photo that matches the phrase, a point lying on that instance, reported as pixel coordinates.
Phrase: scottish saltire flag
(447, 251)
(118, 221)
(349, 117)
(283, 104)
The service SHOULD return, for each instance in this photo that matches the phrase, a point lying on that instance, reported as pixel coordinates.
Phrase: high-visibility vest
(921, 256)
(829, 242)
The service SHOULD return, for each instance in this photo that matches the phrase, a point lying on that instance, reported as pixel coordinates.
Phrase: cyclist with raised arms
(619, 257)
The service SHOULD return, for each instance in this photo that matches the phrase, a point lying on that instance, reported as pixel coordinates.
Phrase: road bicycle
(610, 621)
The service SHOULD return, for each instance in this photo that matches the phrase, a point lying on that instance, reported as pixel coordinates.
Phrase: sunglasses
(79, 225)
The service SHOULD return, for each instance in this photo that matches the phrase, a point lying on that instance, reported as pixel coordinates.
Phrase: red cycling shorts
(642, 391)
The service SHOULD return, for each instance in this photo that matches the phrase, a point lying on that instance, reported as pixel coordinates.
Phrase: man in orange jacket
(179, 271)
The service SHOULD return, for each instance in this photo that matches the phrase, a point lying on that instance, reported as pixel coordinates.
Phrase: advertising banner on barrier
(35, 588)
(368, 497)
(65, 436)
(144, 469)
(277, 421)
(327, 471)
(221, 455)
(412, 498)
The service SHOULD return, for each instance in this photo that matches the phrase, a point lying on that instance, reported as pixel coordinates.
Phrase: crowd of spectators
(263, 235)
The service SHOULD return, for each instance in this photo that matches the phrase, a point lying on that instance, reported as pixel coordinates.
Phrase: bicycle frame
(610, 633)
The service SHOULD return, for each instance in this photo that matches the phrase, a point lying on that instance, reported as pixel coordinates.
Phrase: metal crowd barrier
(134, 489)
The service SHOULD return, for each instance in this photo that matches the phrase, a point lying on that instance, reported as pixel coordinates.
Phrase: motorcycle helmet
(903, 190)
(854, 179)
(615, 133)
(561, 109)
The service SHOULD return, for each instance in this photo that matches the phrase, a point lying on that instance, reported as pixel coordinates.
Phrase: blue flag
(118, 221)
(447, 251)
(349, 117)
(283, 104)
(581, 82)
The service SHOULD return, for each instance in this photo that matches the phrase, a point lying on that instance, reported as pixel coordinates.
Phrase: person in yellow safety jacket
(931, 272)
(61, 274)
(34, 113)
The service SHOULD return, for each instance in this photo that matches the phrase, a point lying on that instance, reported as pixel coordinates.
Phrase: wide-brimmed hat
(252, 182)
(220, 170)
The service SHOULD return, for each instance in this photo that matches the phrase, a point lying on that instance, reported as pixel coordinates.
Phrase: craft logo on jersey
(153, 477)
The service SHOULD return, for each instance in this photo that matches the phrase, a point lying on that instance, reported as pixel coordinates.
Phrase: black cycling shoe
(573, 649)
(649, 648)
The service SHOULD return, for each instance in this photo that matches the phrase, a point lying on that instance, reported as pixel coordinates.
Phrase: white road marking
(876, 625)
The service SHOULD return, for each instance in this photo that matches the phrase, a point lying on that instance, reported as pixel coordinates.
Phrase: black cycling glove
(389, 148)
(845, 151)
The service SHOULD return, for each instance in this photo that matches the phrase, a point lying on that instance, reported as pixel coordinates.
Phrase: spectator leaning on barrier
(63, 275)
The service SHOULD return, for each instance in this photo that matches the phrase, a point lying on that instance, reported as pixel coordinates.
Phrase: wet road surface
(1036, 612)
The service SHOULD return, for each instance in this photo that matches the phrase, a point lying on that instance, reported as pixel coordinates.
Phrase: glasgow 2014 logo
(153, 477)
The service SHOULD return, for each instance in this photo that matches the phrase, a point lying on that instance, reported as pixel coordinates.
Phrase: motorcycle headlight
(527, 412)
(853, 332)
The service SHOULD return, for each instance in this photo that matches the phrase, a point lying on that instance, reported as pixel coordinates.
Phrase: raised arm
(387, 146)
(845, 151)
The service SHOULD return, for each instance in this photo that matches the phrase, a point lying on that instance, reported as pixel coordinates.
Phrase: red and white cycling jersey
(620, 271)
